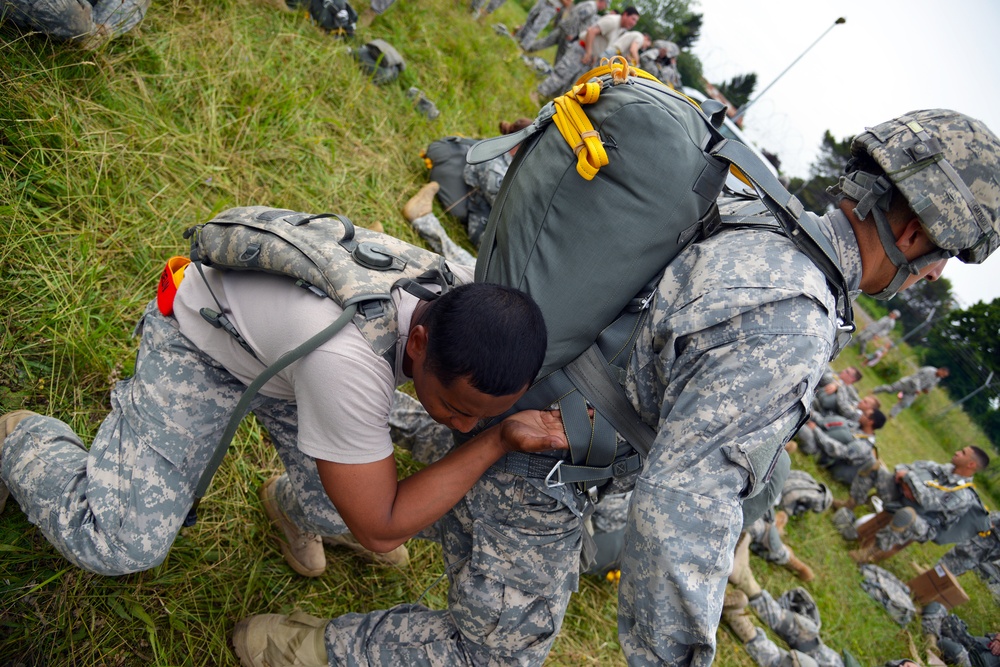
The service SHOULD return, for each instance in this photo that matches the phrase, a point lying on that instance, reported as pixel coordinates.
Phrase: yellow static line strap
(949, 489)
(577, 130)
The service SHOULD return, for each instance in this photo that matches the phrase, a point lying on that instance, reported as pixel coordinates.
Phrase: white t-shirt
(623, 43)
(342, 390)
(610, 28)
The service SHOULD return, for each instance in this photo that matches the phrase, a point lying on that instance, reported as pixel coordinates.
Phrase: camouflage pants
(535, 22)
(554, 37)
(512, 554)
(768, 654)
(565, 72)
(905, 402)
(75, 19)
(117, 508)
(491, 5)
(766, 542)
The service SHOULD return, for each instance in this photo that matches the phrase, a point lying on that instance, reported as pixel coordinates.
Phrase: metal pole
(743, 109)
(958, 403)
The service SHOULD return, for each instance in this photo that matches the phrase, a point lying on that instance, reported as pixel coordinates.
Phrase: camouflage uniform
(795, 618)
(958, 646)
(491, 6)
(484, 180)
(844, 401)
(540, 15)
(980, 553)
(765, 541)
(877, 329)
(661, 66)
(512, 546)
(910, 386)
(941, 499)
(117, 508)
(841, 446)
(574, 21)
(84, 21)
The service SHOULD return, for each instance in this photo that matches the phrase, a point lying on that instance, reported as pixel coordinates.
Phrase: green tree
(968, 342)
(666, 19)
(824, 172)
(924, 300)
(738, 89)
(690, 69)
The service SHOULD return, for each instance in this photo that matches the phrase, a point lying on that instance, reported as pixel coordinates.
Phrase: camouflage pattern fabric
(843, 451)
(940, 501)
(565, 72)
(880, 327)
(540, 15)
(801, 493)
(958, 646)
(512, 546)
(843, 520)
(140, 472)
(980, 553)
(490, 5)
(910, 386)
(88, 23)
(909, 148)
(765, 541)
(413, 429)
(844, 401)
(888, 591)
(572, 22)
(799, 630)
(484, 180)
(768, 654)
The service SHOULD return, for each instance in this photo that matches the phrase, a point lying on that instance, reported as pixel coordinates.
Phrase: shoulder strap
(798, 226)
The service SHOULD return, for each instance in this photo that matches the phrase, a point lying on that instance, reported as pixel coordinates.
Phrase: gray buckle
(549, 484)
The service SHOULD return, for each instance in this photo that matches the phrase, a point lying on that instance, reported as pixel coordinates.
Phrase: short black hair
(878, 419)
(982, 458)
(628, 11)
(490, 334)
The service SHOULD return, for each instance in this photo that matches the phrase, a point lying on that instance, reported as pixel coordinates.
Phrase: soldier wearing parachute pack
(722, 372)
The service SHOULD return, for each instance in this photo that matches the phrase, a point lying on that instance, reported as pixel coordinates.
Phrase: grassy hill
(105, 159)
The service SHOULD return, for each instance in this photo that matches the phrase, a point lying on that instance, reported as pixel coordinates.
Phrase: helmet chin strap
(873, 195)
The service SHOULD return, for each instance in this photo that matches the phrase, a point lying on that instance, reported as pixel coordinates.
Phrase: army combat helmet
(947, 166)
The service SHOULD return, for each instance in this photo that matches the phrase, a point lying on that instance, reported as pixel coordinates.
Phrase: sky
(889, 57)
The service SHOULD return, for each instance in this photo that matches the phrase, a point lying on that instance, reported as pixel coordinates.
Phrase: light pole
(743, 109)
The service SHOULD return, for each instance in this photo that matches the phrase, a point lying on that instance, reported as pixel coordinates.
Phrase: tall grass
(105, 158)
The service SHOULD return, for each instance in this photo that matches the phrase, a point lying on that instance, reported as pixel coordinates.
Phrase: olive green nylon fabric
(583, 248)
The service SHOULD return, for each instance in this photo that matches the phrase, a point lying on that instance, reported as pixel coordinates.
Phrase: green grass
(105, 158)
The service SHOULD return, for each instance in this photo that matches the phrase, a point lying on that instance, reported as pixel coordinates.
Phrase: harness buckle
(549, 484)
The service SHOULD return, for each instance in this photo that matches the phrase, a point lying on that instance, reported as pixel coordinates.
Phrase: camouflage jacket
(941, 496)
(880, 327)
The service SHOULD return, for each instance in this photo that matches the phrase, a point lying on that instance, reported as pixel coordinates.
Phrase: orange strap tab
(170, 280)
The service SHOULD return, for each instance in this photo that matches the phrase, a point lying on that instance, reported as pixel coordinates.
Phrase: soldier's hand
(533, 431)
(831, 388)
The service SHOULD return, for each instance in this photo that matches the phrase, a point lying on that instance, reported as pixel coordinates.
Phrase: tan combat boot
(7, 424)
(735, 615)
(422, 203)
(303, 551)
(398, 557)
(801, 570)
(276, 640)
(780, 521)
(742, 576)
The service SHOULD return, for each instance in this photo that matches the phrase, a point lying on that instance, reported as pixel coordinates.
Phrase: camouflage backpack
(802, 493)
(886, 589)
(357, 268)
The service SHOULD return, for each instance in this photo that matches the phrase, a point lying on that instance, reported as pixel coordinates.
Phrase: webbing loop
(577, 130)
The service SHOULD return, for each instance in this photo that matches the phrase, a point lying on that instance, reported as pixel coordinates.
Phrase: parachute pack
(445, 158)
(611, 181)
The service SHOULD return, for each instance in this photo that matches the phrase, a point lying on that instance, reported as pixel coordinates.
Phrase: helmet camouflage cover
(947, 166)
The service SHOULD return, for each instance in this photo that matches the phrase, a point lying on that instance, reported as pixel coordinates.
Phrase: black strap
(557, 472)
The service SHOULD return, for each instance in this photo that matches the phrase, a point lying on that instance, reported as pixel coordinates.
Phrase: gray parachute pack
(588, 241)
